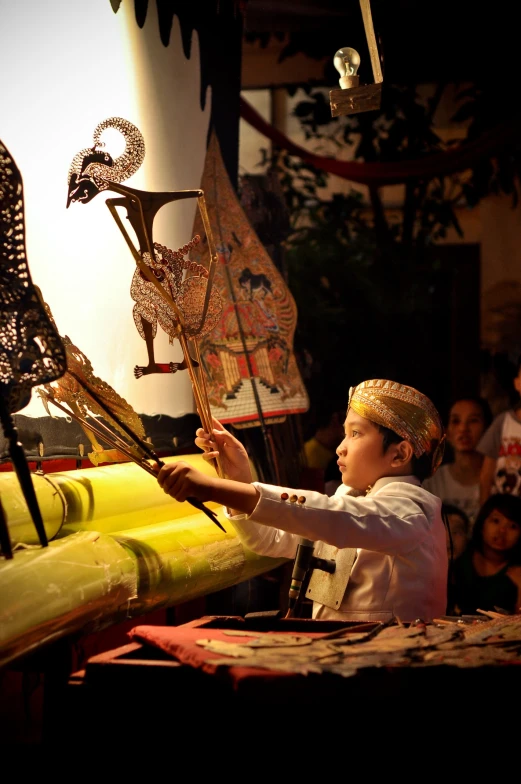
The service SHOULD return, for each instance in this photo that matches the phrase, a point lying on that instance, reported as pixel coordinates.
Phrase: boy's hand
(233, 456)
(181, 481)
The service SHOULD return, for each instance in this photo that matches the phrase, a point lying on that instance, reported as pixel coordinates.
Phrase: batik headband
(405, 411)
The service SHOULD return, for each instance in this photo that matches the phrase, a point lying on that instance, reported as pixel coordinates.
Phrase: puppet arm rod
(117, 443)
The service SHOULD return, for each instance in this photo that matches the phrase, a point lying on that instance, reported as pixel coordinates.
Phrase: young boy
(383, 529)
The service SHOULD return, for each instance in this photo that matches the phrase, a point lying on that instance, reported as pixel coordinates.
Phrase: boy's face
(361, 458)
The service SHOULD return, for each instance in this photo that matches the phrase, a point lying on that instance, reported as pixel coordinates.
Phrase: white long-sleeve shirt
(401, 564)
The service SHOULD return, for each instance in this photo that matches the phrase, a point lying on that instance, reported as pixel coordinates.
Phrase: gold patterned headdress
(405, 411)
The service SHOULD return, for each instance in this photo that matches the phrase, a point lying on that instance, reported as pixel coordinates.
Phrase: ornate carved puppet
(158, 289)
(150, 309)
(31, 350)
(185, 308)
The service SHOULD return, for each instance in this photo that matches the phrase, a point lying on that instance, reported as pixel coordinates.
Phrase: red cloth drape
(458, 158)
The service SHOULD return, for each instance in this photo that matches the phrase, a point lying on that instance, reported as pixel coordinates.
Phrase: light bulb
(346, 61)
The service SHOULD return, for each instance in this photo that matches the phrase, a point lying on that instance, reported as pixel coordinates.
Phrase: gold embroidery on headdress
(405, 411)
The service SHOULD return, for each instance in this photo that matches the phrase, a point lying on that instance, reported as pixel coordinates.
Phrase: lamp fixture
(352, 97)
(346, 61)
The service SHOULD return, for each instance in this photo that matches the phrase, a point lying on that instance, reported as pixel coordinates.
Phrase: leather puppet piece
(185, 307)
(31, 350)
(252, 373)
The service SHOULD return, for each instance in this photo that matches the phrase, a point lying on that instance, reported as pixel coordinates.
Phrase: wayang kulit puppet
(252, 374)
(167, 289)
(31, 350)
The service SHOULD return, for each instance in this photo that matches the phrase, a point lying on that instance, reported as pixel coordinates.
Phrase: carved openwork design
(31, 351)
(92, 168)
(189, 295)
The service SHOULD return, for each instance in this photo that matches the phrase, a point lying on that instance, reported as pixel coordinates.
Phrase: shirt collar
(385, 480)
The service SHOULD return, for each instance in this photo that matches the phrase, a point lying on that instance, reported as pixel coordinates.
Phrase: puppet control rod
(117, 443)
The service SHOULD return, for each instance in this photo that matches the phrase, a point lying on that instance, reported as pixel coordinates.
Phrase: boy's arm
(181, 481)
(392, 522)
(486, 477)
(239, 497)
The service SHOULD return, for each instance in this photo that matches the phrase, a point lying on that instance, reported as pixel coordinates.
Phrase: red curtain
(458, 158)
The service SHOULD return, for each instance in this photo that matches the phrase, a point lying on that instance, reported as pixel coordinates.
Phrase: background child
(319, 449)
(458, 532)
(487, 576)
(456, 482)
(501, 447)
(383, 529)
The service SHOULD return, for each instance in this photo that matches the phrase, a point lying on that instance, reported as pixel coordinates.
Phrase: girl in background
(487, 576)
(457, 482)
(457, 530)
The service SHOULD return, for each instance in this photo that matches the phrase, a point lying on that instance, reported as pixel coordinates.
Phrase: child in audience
(457, 529)
(382, 527)
(458, 532)
(487, 575)
(457, 482)
(501, 447)
(319, 450)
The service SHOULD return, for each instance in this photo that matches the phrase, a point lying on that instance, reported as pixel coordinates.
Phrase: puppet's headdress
(405, 411)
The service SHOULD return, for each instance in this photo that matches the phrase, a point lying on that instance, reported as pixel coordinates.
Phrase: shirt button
(284, 496)
(301, 499)
(293, 499)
